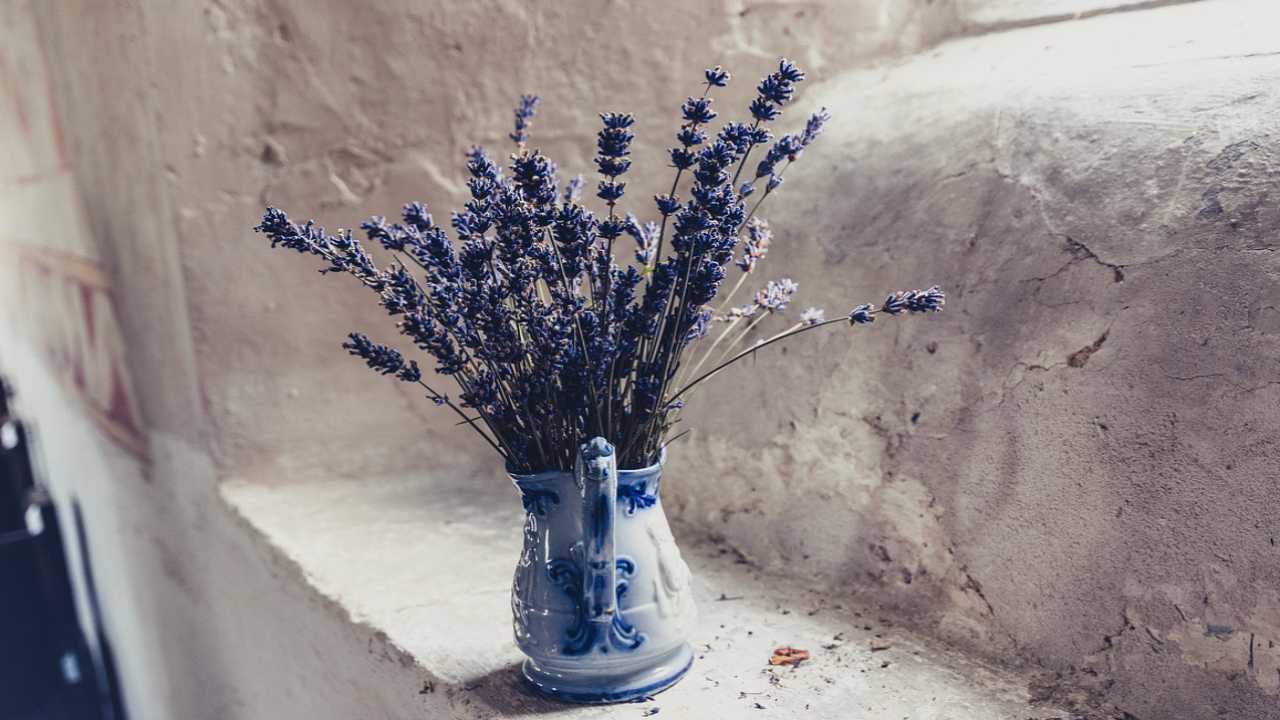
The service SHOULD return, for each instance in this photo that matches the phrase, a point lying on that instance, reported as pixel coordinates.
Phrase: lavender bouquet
(549, 339)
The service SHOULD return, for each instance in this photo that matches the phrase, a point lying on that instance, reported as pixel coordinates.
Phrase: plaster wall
(1071, 468)
(203, 621)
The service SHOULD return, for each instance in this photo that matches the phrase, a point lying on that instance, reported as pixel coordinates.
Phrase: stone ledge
(427, 568)
(984, 16)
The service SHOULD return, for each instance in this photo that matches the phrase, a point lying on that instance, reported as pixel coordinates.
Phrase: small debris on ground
(726, 598)
(786, 655)
(878, 644)
(757, 706)
(650, 712)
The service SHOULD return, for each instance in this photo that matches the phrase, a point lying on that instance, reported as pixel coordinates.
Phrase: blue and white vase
(601, 596)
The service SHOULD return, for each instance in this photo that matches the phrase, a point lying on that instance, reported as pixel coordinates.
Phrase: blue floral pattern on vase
(636, 497)
(584, 635)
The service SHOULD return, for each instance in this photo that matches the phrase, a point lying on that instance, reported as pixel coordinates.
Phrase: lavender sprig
(860, 315)
(524, 113)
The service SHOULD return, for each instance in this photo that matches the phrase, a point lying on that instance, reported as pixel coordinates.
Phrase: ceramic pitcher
(601, 596)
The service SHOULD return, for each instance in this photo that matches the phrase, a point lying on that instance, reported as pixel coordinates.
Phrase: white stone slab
(430, 566)
(999, 13)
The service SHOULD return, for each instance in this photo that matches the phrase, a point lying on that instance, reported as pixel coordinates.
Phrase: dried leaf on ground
(787, 655)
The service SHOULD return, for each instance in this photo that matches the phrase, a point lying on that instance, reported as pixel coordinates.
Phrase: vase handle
(596, 473)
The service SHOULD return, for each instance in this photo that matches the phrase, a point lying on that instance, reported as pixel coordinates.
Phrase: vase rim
(622, 472)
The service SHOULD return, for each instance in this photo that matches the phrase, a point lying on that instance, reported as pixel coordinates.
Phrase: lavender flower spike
(776, 294)
(716, 77)
(381, 358)
(789, 147)
(862, 315)
(756, 246)
(646, 237)
(813, 127)
(573, 189)
(614, 145)
(524, 118)
(930, 300)
(775, 90)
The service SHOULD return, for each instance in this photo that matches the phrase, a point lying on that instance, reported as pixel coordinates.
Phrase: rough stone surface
(1076, 464)
(1074, 467)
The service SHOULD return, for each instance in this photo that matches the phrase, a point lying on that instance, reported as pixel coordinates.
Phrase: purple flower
(789, 147)
(381, 358)
(698, 328)
(681, 159)
(524, 118)
(573, 189)
(776, 295)
(646, 237)
(862, 315)
(813, 127)
(895, 303)
(690, 136)
(813, 316)
(341, 251)
(736, 134)
(716, 77)
(930, 300)
(613, 144)
(610, 192)
(763, 110)
(788, 71)
(774, 91)
(756, 246)
(535, 176)
(697, 111)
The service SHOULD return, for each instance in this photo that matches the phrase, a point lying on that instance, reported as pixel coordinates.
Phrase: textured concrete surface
(1073, 468)
(441, 604)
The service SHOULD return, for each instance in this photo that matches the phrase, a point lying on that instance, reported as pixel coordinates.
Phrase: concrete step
(427, 566)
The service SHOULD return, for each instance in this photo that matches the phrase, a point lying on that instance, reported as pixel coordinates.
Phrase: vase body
(601, 598)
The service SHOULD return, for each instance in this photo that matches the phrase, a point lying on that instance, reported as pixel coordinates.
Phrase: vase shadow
(506, 691)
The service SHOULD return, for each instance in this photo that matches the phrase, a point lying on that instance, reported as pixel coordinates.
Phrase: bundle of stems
(548, 339)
